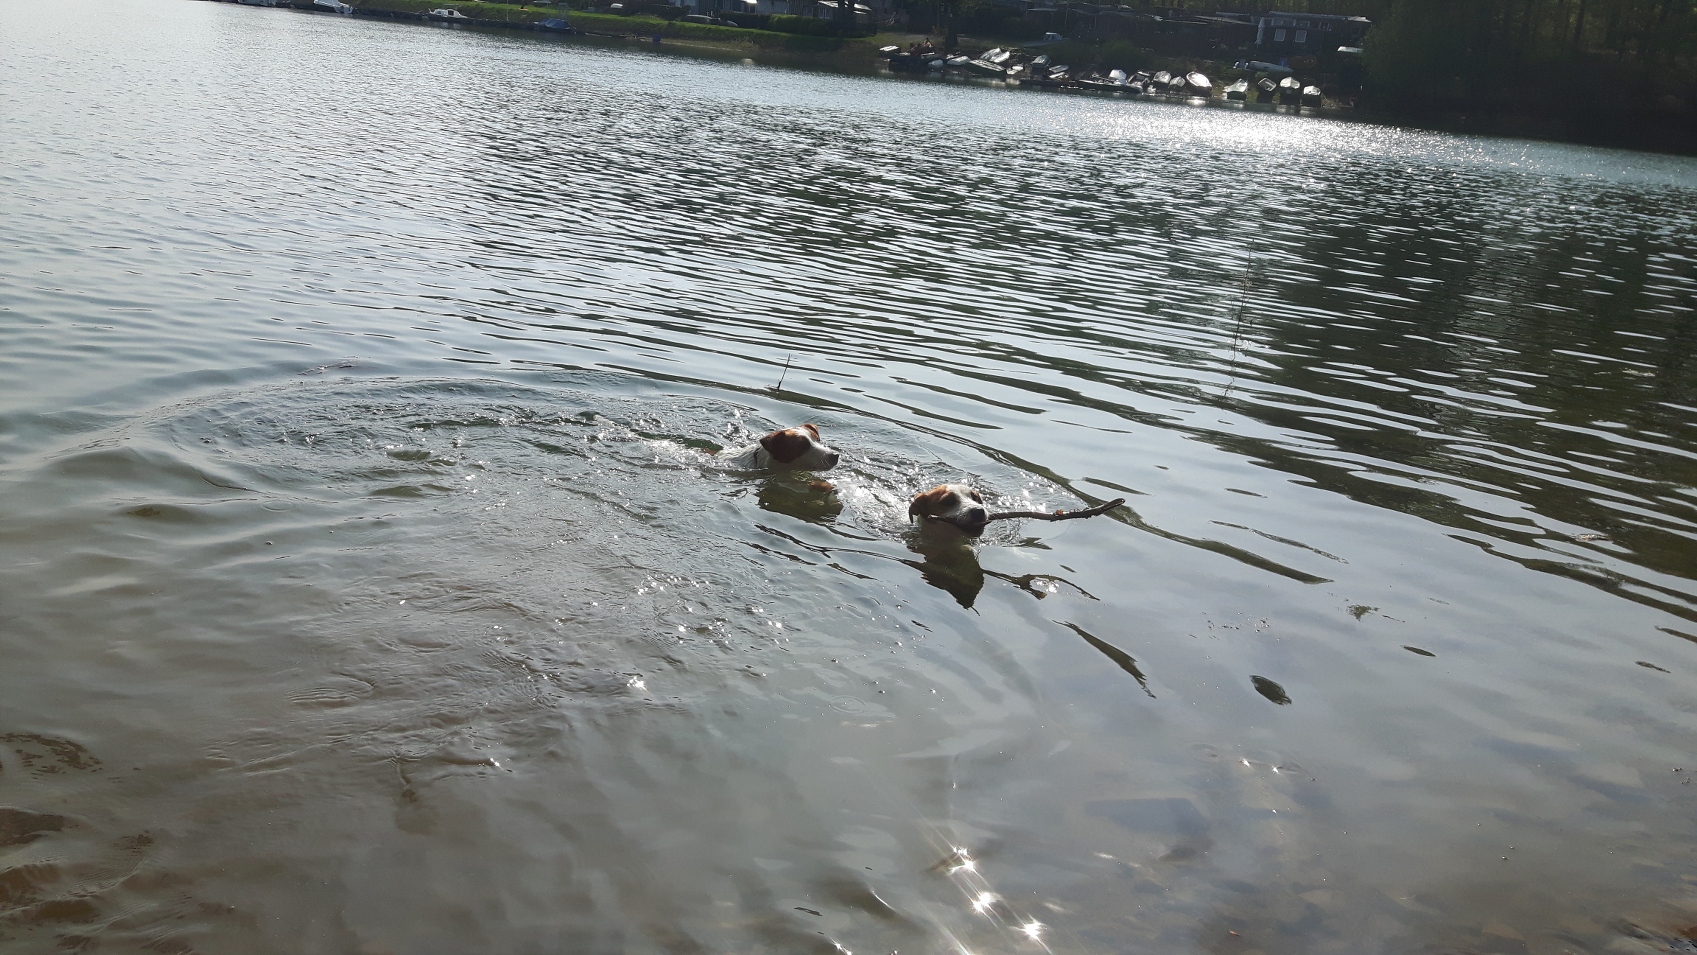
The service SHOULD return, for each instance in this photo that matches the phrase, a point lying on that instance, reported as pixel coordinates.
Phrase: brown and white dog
(955, 504)
(798, 448)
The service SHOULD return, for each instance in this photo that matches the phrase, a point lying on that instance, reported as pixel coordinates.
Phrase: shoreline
(859, 56)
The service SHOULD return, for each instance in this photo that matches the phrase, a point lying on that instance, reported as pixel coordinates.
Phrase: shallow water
(369, 586)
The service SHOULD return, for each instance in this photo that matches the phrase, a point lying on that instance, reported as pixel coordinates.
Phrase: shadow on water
(1121, 659)
(949, 560)
(801, 495)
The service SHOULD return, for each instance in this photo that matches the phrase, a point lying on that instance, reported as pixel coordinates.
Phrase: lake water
(367, 586)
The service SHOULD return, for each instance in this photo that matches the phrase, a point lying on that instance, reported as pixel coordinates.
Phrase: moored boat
(446, 15)
(1052, 81)
(1198, 85)
(919, 58)
(556, 25)
(1238, 91)
(988, 65)
(1160, 80)
(1290, 89)
(1311, 96)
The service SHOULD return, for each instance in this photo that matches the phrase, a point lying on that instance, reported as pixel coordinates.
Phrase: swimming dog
(798, 448)
(955, 504)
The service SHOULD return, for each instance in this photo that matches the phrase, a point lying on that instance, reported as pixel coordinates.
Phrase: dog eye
(978, 497)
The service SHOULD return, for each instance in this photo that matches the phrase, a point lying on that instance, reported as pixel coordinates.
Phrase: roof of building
(1318, 16)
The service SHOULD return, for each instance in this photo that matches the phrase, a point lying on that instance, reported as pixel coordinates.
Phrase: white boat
(1117, 77)
(333, 6)
(447, 15)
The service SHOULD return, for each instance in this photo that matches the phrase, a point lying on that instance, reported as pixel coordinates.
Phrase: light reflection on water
(370, 588)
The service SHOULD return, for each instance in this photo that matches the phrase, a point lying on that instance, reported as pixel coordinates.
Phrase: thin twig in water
(1239, 313)
(1058, 515)
(780, 385)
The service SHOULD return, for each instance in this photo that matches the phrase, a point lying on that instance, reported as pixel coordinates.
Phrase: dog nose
(978, 515)
(831, 460)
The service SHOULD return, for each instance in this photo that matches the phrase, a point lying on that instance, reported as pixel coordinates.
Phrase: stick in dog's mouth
(1057, 515)
(962, 506)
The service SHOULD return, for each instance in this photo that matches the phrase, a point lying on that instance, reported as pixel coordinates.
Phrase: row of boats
(1042, 72)
(1289, 91)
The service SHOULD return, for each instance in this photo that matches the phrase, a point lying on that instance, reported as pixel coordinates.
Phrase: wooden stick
(1058, 515)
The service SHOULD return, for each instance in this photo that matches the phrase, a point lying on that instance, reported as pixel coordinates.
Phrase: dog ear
(811, 429)
(924, 503)
(784, 446)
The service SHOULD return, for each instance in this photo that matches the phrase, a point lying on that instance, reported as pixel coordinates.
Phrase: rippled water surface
(368, 584)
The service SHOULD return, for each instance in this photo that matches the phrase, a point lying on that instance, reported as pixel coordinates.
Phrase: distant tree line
(1622, 71)
(1609, 69)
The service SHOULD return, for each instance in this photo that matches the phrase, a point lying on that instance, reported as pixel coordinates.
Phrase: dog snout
(977, 515)
(832, 458)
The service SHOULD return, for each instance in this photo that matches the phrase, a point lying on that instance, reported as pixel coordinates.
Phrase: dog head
(956, 504)
(799, 448)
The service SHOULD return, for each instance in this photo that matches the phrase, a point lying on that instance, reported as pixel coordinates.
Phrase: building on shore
(1287, 34)
(1173, 32)
(866, 11)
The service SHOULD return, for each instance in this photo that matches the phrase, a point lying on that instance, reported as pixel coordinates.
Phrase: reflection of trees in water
(1550, 58)
(1486, 360)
